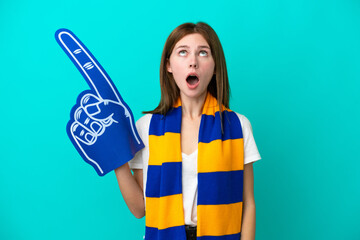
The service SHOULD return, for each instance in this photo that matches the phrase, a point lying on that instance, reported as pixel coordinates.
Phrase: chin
(193, 93)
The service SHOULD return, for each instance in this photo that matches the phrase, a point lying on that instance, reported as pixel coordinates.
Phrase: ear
(168, 68)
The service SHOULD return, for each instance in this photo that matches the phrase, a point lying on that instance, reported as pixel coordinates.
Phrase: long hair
(219, 84)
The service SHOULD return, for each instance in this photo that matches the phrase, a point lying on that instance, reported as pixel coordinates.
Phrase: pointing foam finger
(89, 67)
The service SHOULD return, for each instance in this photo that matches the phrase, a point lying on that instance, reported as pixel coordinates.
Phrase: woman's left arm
(248, 215)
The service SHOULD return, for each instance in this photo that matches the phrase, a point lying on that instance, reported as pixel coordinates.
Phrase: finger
(90, 103)
(100, 110)
(82, 134)
(80, 138)
(89, 67)
(88, 123)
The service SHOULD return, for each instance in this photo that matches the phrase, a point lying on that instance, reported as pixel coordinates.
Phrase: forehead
(192, 40)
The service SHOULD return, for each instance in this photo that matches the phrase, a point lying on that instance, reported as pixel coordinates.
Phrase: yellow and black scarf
(220, 176)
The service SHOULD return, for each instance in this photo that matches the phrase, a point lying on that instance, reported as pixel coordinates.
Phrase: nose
(193, 61)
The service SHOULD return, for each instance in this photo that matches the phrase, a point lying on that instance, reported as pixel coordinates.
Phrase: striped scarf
(220, 176)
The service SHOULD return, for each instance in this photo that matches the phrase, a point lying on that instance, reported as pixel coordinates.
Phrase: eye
(182, 52)
(203, 53)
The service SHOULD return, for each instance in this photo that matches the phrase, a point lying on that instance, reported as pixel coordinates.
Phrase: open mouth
(192, 80)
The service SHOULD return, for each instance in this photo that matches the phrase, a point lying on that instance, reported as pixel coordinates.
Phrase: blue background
(294, 70)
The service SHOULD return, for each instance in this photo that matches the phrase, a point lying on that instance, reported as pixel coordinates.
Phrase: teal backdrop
(294, 70)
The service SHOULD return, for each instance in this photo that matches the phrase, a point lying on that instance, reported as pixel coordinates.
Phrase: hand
(101, 125)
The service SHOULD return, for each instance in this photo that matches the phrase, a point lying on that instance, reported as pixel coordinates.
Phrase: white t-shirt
(189, 164)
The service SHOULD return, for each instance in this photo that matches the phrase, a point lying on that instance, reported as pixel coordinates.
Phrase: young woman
(194, 178)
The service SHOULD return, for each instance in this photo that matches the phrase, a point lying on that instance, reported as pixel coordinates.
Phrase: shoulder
(244, 121)
(142, 125)
(143, 121)
(251, 152)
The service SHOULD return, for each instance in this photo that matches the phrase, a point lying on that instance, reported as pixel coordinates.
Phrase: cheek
(177, 69)
(210, 66)
(176, 73)
(178, 65)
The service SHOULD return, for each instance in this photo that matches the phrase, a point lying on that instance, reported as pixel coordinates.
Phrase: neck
(192, 107)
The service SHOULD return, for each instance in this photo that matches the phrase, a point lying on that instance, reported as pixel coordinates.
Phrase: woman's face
(191, 65)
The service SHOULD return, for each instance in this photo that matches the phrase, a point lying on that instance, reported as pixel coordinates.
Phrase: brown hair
(219, 84)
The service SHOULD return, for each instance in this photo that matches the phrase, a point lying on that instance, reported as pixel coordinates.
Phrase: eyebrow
(186, 46)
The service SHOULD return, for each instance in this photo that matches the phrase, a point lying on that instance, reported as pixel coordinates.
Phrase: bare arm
(131, 187)
(248, 217)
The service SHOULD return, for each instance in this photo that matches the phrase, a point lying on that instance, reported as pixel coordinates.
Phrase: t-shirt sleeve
(251, 152)
(142, 126)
